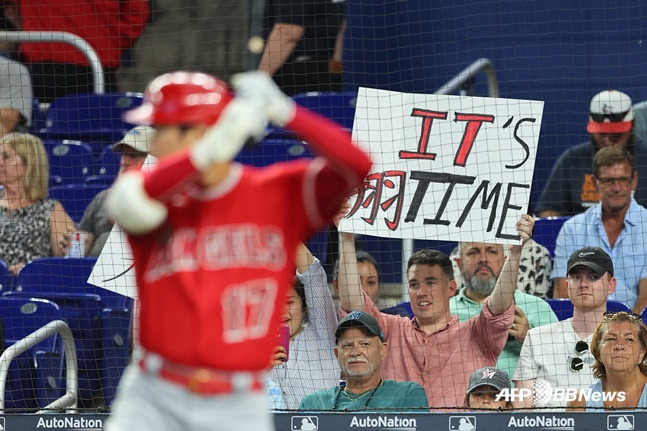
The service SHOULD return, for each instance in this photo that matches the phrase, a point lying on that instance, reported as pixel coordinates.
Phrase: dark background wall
(558, 51)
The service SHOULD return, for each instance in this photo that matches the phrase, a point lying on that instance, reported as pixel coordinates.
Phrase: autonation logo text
(544, 394)
(542, 421)
(392, 423)
(67, 422)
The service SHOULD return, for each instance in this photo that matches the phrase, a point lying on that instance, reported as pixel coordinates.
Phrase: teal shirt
(390, 396)
(536, 309)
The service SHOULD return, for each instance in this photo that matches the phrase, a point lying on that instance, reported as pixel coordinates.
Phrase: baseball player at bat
(213, 245)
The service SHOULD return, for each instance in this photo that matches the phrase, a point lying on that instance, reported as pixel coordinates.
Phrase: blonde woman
(31, 225)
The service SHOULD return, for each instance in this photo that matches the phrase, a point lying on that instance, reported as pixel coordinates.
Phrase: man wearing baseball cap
(560, 353)
(617, 224)
(133, 150)
(360, 350)
(571, 187)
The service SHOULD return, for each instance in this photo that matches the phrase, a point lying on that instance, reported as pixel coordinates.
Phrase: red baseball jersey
(213, 279)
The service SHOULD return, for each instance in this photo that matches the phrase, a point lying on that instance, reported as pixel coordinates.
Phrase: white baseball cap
(610, 112)
(137, 138)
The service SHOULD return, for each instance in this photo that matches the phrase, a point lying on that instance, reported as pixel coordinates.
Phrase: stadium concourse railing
(464, 78)
(65, 37)
(69, 399)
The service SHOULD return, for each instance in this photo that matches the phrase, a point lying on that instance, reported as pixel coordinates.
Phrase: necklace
(365, 394)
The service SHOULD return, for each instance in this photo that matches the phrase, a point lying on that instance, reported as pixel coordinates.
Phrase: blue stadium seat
(36, 377)
(270, 151)
(546, 230)
(70, 162)
(563, 307)
(108, 164)
(93, 118)
(644, 315)
(76, 197)
(38, 117)
(338, 106)
(99, 319)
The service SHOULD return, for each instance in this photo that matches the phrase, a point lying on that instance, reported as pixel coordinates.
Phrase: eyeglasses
(577, 363)
(621, 181)
(614, 118)
(611, 314)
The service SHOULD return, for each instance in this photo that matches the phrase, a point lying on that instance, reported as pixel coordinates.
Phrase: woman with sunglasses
(620, 350)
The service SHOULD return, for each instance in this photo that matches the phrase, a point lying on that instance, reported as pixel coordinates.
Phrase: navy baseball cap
(591, 257)
(362, 320)
(489, 376)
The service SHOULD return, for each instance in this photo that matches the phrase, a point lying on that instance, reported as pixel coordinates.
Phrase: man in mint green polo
(480, 265)
(360, 350)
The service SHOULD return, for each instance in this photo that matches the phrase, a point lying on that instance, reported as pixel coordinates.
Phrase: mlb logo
(305, 423)
(462, 423)
(620, 422)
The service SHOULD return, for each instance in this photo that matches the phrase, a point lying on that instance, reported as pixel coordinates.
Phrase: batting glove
(259, 86)
(239, 122)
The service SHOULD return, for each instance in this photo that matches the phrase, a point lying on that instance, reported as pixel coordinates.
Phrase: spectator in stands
(31, 226)
(535, 266)
(483, 388)
(16, 101)
(369, 275)
(312, 317)
(110, 26)
(360, 351)
(617, 224)
(302, 43)
(480, 265)
(559, 353)
(620, 350)
(133, 149)
(434, 349)
(571, 187)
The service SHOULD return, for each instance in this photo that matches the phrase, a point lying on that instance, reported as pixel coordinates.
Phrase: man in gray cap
(360, 350)
(133, 149)
(559, 353)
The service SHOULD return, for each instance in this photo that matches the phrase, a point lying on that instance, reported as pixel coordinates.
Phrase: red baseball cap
(611, 112)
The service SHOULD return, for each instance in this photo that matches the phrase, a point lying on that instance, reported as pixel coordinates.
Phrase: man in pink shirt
(434, 349)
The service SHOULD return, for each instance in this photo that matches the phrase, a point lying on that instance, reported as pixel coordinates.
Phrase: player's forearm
(332, 142)
(279, 46)
(502, 296)
(170, 174)
(350, 285)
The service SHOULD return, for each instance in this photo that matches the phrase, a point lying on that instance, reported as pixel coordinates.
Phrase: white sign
(445, 167)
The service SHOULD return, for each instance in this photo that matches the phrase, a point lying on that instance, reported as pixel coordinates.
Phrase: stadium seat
(338, 106)
(36, 377)
(546, 230)
(93, 118)
(108, 164)
(99, 319)
(38, 117)
(70, 162)
(644, 315)
(76, 197)
(563, 307)
(270, 151)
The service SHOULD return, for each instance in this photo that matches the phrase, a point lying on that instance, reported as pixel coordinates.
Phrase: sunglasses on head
(614, 118)
(577, 363)
(610, 314)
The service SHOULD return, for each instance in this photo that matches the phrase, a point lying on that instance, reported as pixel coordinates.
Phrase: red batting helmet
(182, 98)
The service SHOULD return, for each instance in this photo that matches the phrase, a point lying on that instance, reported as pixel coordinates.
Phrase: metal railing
(457, 82)
(64, 37)
(67, 401)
